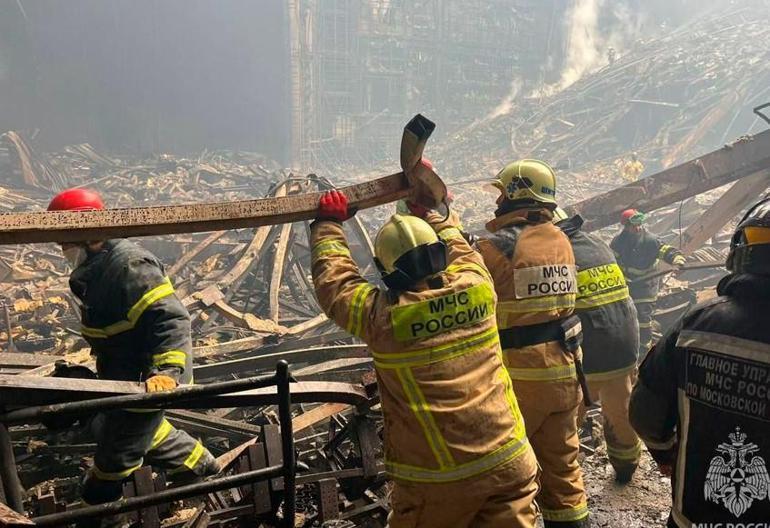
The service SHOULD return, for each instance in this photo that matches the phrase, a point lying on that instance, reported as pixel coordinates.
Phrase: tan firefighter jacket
(449, 408)
(533, 267)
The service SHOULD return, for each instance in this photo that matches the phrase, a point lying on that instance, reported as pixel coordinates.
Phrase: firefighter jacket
(533, 267)
(702, 405)
(448, 403)
(638, 254)
(132, 319)
(605, 308)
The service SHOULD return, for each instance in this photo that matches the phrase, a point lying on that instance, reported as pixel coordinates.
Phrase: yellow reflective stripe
(543, 374)
(430, 317)
(330, 247)
(513, 403)
(114, 475)
(469, 266)
(192, 460)
(585, 303)
(449, 233)
(536, 304)
(628, 270)
(172, 357)
(422, 411)
(512, 449)
(575, 513)
(663, 250)
(134, 313)
(600, 281)
(356, 314)
(611, 374)
(150, 298)
(426, 356)
(161, 433)
(630, 453)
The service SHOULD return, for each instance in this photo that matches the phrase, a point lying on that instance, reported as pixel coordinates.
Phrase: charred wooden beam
(744, 157)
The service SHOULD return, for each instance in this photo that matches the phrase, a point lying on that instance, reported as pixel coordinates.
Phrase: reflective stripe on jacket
(448, 403)
(610, 328)
(131, 317)
(535, 277)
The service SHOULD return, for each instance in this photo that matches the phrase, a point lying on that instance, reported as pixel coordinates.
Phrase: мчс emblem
(738, 481)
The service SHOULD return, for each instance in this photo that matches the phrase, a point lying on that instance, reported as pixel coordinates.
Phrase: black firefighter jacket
(638, 255)
(702, 405)
(607, 314)
(132, 319)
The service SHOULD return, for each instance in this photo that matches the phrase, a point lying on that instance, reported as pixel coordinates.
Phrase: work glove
(160, 383)
(679, 261)
(333, 205)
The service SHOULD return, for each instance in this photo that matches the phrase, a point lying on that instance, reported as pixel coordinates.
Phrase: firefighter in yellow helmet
(455, 443)
(533, 267)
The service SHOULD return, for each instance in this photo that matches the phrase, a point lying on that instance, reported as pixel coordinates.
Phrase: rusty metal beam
(744, 157)
(69, 226)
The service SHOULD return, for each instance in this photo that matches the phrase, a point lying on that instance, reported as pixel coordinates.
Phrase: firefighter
(455, 443)
(610, 341)
(638, 253)
(533, 267)
(702, 402)
(632, 169)
(139, 331)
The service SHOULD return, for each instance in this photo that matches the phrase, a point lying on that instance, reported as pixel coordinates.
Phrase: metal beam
(744, 157)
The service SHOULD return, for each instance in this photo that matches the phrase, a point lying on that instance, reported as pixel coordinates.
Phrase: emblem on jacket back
(740, 480)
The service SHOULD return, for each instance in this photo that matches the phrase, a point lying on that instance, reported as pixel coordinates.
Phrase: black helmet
(750, 246)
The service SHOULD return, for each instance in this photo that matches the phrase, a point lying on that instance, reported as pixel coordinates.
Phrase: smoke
(595, 29)
(506, 105)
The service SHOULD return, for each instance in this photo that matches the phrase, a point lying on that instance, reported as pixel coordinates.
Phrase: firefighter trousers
(623, 445)
(644, 310)
(501, 498)
(126, 440)
(550, 411)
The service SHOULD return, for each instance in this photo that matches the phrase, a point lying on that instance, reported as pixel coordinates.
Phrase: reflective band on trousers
(114, 475)
(630, 453)
(426, 356)
(329, 248)
(356, 315)
(173, 358)
(442, 314)
(192, 459)
(161, 433)
(509, 451)
(575, 513)
(558, 372)
(148, 299)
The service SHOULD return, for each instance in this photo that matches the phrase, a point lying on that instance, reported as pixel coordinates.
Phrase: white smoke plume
(594, 27)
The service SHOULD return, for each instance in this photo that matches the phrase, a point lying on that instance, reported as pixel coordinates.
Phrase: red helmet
(626, 215)
(76, 200)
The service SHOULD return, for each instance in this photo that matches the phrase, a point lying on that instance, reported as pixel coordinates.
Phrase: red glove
(333, 205)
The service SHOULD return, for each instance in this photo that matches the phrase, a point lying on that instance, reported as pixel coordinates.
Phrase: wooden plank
(727, 207)
(260, 490)
(144, 485)
(9, 518)
(74, 226)
(272, 439)
(744, 157)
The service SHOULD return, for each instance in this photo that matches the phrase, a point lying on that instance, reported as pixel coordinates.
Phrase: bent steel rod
(143, 400)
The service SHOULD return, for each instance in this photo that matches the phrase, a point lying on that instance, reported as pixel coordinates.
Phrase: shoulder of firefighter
(136, 325)
(469, 422)
(703, 397)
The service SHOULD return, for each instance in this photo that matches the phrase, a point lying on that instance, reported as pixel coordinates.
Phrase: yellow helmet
(526, 182)
(407, 250)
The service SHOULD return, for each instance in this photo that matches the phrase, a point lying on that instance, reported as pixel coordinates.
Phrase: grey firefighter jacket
(606, 311)
(702, 405)
(132, 319)
(638, 255)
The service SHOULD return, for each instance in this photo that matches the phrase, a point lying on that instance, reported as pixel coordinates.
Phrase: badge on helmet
(528, 182)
